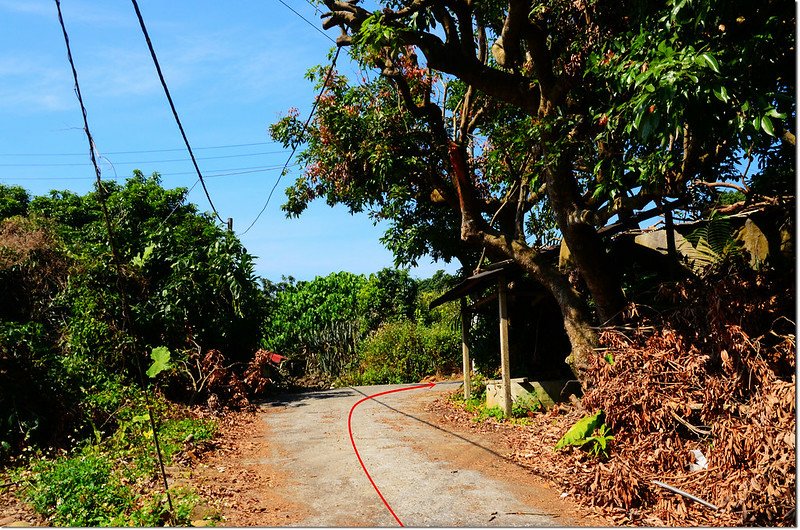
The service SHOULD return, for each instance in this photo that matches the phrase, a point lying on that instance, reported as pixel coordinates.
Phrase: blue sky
(233, 68)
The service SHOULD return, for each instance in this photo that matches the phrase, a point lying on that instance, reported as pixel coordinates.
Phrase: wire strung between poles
(295, 146)
(101, 192)
(172, 106)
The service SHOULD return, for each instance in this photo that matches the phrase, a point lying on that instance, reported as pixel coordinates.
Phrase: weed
(525, 408)
(95, 485)
(590, 432)
(78, 491)
(599, 441)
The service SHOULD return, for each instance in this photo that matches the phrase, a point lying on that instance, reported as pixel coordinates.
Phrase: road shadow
(453, 434)
(297, 399)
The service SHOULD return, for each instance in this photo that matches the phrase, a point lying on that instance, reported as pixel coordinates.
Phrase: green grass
(476, 404)
(112, 482)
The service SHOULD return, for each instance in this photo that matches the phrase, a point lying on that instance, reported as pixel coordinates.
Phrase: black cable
(302, 133)
(172, 106)
(101, 192)
(78, 164)
(290, 8)
(142, 151)
(213, 174)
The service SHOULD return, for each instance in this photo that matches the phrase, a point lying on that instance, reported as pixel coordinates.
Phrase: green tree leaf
(578, 433)
(721, 94)
(710, 61)
(161, 361)
(766, 124)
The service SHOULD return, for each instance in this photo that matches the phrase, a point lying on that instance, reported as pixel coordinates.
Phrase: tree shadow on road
(451, 433)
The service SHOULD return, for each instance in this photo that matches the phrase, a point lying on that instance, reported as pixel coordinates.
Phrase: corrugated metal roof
(468, 285)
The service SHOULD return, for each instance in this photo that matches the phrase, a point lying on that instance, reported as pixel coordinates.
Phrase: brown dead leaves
(716, 374)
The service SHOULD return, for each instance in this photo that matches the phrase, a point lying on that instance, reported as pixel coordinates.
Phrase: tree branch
(721, 185)
(512, 88)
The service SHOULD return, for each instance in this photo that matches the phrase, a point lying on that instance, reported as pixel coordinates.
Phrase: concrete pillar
(466, 366)
(505, 369)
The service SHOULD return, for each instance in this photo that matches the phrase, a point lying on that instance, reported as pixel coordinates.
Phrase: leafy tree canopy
(504, 126)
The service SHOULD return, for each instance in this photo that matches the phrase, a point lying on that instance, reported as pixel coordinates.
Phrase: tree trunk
(582, 337)
(475, 230)
(585, 245)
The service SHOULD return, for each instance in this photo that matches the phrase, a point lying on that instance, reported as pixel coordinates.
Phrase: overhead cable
(290, 8)
(102, 195)
(212, 174)
(302, 133)
(172, 106)
(76, 164)
(144, 151)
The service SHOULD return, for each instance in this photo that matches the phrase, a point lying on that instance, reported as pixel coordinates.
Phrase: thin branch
(721, 185)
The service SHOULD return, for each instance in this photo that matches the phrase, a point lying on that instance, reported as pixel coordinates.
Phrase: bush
(79, 491)
(404, 352)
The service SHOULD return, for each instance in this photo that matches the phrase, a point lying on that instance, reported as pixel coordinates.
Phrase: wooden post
(669, 226)
(465, 350)
(505, 369)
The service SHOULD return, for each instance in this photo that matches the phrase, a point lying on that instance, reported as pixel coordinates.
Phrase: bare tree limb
(731, 185)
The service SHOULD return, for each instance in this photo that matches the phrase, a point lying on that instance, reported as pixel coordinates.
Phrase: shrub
(78, 491)
(403, 352)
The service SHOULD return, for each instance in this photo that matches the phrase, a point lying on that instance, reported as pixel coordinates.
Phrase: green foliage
(334, 324)
(108, 481)
(671, 67)
(161, 361)
(376, 34)
(599, 441)
(306, 319)
(362, 149)
(403, 352)
(714, 240)
(78, 491)
(622, 110)
(388, 295)
(69, 358)
(14, 200)
(578, 433)
(523, 408)
(485, 413)
(588, 431)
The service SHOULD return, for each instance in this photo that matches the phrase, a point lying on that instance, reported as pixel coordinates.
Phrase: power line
(302, 133)
(126, 309)
(144, 151)
(172, 106)
(211, 174)
(77, 164)
(290, 8)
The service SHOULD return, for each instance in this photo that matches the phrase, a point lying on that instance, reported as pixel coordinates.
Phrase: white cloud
(29, 85)
(74, 11)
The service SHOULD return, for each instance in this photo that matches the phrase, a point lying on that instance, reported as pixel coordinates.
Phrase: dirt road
(427, 474)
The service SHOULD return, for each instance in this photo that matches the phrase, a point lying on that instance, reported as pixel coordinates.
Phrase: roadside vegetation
(74, 419)
(540, 135)
(347, 329)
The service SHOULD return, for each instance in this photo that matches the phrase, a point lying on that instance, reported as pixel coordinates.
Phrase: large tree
(493, 124)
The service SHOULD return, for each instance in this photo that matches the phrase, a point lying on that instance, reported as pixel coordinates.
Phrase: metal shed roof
(469, 285)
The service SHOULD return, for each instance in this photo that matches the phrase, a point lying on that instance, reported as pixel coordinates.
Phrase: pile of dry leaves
(222, 385)
(709, 386)
(716, 376)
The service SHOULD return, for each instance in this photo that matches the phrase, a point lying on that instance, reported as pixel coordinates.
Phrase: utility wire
(76, 164)
(101, 191)
(302, 133)
(172, 106)
(227, 173)
(290, 8)
(142, 151)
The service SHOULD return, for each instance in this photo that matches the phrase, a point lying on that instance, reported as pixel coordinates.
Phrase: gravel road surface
(428, 475)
